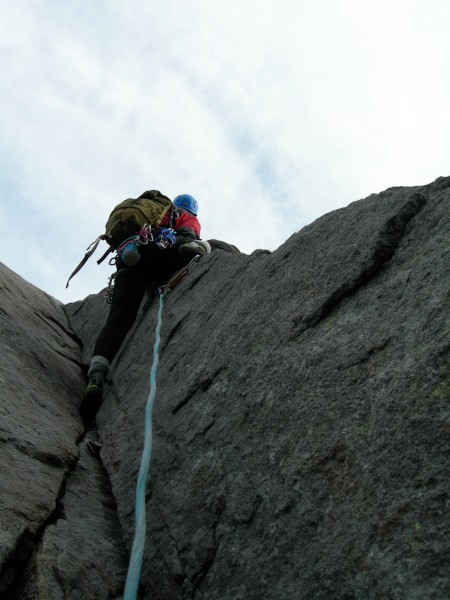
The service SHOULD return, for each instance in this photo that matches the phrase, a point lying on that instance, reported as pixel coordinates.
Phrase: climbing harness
(128, 251)
(137, 551)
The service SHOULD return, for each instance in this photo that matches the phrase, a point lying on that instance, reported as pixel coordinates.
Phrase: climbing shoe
(194, 248)
(92, 399)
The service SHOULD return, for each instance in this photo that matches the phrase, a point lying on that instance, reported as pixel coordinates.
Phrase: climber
(154, 267)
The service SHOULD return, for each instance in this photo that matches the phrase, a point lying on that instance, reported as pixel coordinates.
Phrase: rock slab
(301, 423)
(59, 533)
(300, 430)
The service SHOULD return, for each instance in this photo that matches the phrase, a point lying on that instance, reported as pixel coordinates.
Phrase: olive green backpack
(127, 219)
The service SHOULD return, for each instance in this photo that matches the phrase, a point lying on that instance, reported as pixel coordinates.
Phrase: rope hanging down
(137, 552)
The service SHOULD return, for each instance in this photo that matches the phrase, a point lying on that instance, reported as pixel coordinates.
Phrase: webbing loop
(137, 551)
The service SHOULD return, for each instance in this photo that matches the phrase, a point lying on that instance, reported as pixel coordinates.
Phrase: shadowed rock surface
(59, 535)
(301, 425)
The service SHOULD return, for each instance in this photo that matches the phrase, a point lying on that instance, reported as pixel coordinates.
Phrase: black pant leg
(156, 265)
(129, 289)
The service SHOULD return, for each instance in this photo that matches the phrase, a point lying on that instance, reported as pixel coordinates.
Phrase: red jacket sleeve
(188, 221)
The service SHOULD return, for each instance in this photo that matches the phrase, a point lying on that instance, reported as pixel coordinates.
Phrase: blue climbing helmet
(187, 202)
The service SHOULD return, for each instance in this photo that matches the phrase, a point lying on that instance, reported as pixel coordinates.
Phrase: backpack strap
(102, 258)
(90, 251)
(173, 216)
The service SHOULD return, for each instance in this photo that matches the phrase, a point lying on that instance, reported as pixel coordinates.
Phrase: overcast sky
(270, 112)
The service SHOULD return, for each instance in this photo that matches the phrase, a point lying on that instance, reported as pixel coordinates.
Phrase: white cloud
(271, 113)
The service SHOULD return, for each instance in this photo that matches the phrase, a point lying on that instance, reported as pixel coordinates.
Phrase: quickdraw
(168, 287)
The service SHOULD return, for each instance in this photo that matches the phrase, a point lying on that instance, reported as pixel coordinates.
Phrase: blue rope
(137, 552)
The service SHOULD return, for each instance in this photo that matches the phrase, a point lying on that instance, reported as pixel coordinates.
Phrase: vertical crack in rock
(51, 321)
(43, 560)
(14, 567)
(189, 583)
(254, 510)
(77, 363)
(81, 304)
(385, 246)
(207, 565)
(116, 396)
(335, 448)
(182, 575)
(200, 576)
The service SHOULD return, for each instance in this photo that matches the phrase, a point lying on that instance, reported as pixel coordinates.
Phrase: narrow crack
(206, 428)
(59, 580)
(179, 579)
(76, 311)
(367, 355)
(203, 572)
(204, 385)
(185, 400)
(50, 321)
(19, 563)
(196, 579)
(41, 456)
(70, 359)
(116, 397)
(173, 331)
(385, 247)
(196, 280)
(19, 558)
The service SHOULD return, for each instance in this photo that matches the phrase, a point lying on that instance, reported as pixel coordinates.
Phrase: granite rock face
(300, 430)
(57, 512)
